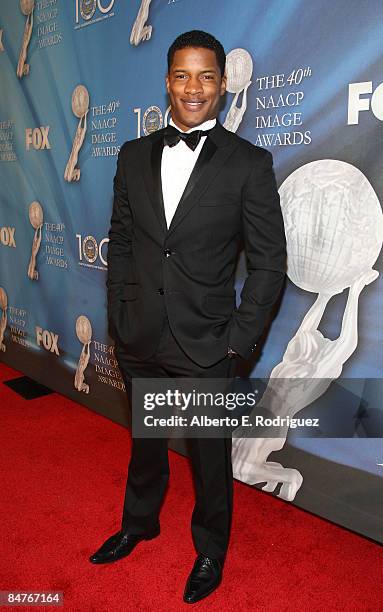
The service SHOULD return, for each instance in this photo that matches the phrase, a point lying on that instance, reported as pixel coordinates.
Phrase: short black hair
(198, 38)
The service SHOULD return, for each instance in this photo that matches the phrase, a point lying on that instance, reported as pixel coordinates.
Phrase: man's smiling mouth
(193, 104)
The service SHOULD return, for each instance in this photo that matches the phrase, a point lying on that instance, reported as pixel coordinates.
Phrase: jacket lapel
(152, 177)
(206, 153)
(216, 150)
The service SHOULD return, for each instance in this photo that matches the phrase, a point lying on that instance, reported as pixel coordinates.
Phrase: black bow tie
(172, 136)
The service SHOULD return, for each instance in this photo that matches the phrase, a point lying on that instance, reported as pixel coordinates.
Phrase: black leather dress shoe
(118, 546)
(204, 578)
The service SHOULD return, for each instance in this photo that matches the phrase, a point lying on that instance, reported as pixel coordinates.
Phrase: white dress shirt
(176, 167)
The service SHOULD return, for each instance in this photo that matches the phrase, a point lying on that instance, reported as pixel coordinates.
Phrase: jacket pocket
(228, 201)
(129, 292)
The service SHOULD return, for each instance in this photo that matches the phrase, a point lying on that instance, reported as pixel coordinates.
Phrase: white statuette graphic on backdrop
(80, 108)
(84, 334)
(36, 217)
(334, 231)
(140, 30)
(239, 70)
(333, 222)
(27, 8)
(1, 41)
(3, 319)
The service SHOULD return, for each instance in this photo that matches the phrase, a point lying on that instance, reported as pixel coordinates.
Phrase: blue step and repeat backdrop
(305, 81)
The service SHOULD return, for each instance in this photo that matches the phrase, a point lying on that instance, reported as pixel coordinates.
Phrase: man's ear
(167, 82)
(223, 84)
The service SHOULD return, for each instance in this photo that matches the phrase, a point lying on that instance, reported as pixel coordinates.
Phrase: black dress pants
(148, 472)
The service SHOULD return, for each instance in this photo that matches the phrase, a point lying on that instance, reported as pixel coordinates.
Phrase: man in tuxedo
(186, 198)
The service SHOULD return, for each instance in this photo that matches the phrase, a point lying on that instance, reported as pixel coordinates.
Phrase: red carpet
(62, 486)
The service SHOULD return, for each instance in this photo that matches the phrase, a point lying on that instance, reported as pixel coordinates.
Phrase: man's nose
(193, 85)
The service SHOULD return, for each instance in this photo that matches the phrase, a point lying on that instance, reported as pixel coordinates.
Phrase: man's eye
(180, 76)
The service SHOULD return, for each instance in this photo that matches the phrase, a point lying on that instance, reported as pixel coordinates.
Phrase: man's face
(194, 85)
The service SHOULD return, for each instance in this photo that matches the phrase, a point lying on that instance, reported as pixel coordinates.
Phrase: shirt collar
(206, 125)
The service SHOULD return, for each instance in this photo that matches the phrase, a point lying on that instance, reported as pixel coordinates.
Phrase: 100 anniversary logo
(92, 11)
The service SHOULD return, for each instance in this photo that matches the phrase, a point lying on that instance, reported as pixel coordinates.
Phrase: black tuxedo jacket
(187, 271)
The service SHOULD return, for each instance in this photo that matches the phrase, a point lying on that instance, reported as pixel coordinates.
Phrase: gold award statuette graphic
(80, 108)
(27, 8)
(140, 30)
(3, 320)
(239, 70)
(334, 231)
(36, 217)
(84, 334)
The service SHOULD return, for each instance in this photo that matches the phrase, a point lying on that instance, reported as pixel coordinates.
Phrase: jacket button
(161, 291)
(167, 252)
